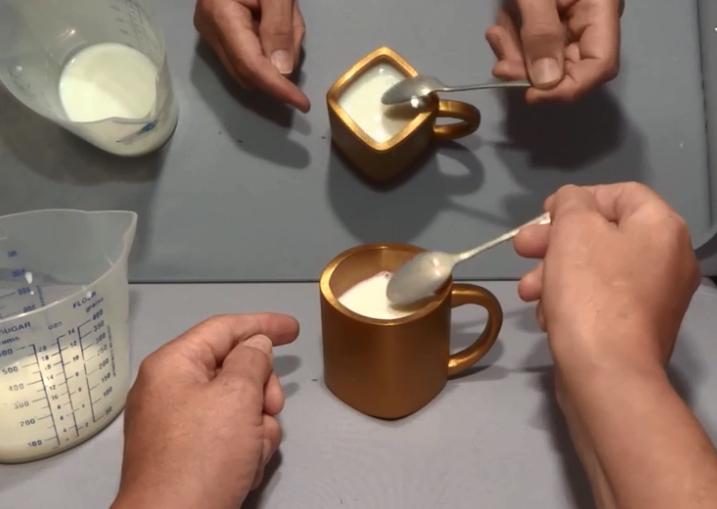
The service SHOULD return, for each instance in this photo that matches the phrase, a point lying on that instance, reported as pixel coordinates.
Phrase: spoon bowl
(422, 275)
(419, 87)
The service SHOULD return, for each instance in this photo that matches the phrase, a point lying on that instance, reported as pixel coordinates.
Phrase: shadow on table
(401, 210)
(285, 365)
(82, 175)
(258, 124)
(271, 473)
(552, 144)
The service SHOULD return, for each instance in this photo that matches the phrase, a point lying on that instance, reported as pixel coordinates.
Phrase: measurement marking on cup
(112, 350)
(87, 377)
(79, 329)
(47, 398)
(40, 296)
(64, 371)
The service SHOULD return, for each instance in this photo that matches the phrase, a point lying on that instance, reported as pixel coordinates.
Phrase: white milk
(362, 101)
(108, 80)
(368, 298)
(65, 373)
(111, 81)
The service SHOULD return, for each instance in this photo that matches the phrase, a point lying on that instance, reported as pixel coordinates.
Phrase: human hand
(617, 274)
(565, 47)
(257, 41)
(200, 422)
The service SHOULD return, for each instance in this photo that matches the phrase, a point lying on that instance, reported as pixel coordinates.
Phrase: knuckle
(493, 32)
(542, 31)
(216, 321)
(245, 386)
(566, 191)
(300, 31)
(299, 25)
(612, 69)
(149, 366)
(274, 31)
(632, 186)
(202, 13)
(676, 228)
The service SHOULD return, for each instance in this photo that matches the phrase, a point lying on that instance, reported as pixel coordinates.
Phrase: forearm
(585, 449)
(650, 448)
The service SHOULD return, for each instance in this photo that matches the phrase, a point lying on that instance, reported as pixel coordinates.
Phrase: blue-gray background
(249, 190)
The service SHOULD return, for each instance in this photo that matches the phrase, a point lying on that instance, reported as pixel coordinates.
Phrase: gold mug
(392, 368)
(384, 161)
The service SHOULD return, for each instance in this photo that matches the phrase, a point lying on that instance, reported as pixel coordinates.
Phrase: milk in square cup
(381, 141)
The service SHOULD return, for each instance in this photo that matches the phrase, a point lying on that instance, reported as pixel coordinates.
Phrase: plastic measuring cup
(64, 347)
(39, 37)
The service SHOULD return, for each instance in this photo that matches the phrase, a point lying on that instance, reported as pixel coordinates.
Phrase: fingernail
(260, 342)
(266, 451)
(282, 61)
(546, 72)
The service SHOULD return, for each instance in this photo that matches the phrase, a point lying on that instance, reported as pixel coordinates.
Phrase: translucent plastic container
(64, 345)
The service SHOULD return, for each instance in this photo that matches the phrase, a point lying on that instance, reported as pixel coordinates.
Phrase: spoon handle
(543, 219)
(489, 84)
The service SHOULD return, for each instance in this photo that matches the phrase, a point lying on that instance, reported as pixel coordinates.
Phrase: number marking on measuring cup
(61, 388)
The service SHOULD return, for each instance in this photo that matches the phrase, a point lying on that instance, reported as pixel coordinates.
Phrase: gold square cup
(385, 161)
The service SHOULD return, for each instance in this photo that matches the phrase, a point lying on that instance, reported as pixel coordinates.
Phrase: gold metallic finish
(392, 368)
(385, 161)
(468, 115)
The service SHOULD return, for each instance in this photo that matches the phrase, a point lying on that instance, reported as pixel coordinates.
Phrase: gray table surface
(248, 190)
(490, 439)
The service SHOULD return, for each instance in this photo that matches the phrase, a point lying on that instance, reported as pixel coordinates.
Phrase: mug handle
(466, 113)
(462, 294)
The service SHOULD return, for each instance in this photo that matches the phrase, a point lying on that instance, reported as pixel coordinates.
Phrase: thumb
(276, 31)
(249, 365)
(543, 38)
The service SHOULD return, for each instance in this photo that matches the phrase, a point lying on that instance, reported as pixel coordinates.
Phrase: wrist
(147, 496)
(605, 384)
(597, 356)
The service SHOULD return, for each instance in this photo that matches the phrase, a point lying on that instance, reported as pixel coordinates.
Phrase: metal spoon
(421, 86)
(420, 277)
